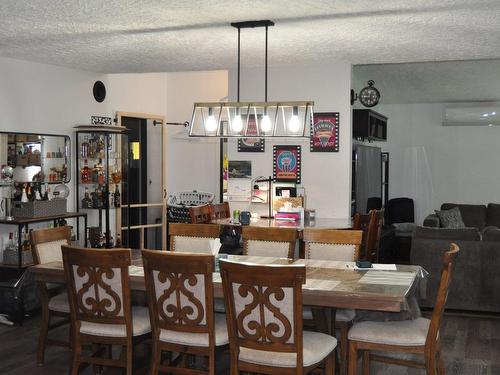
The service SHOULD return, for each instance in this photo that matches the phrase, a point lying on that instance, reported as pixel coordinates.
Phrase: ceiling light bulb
(485, 115)
(294, 124)
(237, 124)
(265, 124)
(210, 123)
(493, 113)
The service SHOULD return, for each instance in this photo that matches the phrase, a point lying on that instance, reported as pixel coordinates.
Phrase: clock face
(369, 96)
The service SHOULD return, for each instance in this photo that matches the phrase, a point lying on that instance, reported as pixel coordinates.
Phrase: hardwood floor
(471, 347)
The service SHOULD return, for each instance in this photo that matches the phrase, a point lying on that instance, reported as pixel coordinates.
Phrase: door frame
(163, 204)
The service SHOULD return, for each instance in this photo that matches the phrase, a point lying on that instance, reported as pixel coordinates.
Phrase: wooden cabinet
(369, 125)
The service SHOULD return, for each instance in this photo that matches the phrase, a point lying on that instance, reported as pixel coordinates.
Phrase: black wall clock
(369, 96)
(99, 91)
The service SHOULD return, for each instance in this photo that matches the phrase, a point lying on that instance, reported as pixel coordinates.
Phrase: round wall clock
(369, 96)
(99, 91)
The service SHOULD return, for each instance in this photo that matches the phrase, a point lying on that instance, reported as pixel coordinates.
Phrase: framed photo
(325, 132)
(240, 169)
(251, 144)
(286, 164)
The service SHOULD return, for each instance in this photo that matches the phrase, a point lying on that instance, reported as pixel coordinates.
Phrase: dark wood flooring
(471, 347)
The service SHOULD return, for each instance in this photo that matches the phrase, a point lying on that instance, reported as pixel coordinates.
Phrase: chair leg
(366, 362)
(155, 358)
(42, 340)
(211, 362)
(430, 364)
(353, 358)
(130, 357)
(330, 364)
(77, 351)
(344, 348)
(440, 363)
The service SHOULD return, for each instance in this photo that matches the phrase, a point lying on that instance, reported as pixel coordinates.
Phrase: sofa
(476, 278)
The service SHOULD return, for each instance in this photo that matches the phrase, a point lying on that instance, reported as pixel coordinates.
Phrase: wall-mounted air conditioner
(472, 114)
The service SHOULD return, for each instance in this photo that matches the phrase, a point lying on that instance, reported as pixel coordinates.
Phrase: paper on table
(215, 246)
(388, 278)
(380, 267)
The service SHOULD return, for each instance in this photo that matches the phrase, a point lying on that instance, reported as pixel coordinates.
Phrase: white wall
(325, 176)
(463, 160)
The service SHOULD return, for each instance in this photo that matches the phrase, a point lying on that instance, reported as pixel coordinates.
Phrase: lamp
(281, 119)
(269, 181)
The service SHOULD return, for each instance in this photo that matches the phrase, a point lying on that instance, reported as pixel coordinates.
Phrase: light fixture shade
(273, 119)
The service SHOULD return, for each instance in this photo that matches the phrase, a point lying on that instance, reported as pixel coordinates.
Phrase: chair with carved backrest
(46, 248)
(264, 319)
(335, 245)
(200, 214)
(371, 224)
(220, 210)
(271, 242)
(418, 336)
(100, 306)
(192, 238)
(181, 303)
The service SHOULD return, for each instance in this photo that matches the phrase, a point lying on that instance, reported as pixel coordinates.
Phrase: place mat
(388, 278)
(321, 284)
(135, 271)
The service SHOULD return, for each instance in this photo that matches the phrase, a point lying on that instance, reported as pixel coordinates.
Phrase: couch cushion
(451, 218)
(473, 215)
(490, 234)
(493, 215)
(464, 234)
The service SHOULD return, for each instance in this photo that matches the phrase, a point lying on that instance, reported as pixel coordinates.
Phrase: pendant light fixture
(280, 119)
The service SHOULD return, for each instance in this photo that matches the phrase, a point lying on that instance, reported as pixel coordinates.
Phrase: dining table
(334, 284)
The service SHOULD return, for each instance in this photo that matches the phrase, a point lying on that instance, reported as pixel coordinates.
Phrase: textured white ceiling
(163, 35)
(450, 81)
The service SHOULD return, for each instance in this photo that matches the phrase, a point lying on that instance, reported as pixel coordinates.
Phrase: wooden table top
(328, 283)
(320, 223)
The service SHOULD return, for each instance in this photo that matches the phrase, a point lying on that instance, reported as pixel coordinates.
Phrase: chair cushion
(140, 325)
(402, 333)
(50, 251)
(59, 303)
(193, 244)
(342, 315)
(327, 251)
(198, 339)
(316, 346)
(268, 248)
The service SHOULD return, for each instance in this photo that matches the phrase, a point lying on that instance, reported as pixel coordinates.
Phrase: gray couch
(476, 279)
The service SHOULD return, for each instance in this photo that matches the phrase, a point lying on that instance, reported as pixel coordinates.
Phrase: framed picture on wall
(325, 132)
(251, 144)
(286, 164)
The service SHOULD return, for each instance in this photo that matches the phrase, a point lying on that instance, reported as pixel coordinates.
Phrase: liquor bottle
(86, 201)
(85, 147)
(85, 172)
(26, 243)
(116, 175)
(117, 197)
(100, 173)
(24, 196)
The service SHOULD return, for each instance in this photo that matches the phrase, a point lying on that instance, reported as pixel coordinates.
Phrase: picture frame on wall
(286, 163)
(324, 135)
(251, 144)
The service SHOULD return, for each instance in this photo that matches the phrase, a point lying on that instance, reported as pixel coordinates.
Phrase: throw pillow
(451, 218)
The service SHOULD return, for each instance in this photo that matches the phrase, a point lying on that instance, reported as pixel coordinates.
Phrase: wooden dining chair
(192, 238)
(220, 210)
(371, 224)
(418, 336)
(264, 321)
(200, 214)
(100, 306)
(46, 247)
(271, 242)
(336, 245)
(181, 303)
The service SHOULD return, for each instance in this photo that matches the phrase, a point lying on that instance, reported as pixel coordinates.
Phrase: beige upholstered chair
(264, 319)
(271, 242)
(46, 248)
(100, 307)
(338, 245)
(419, 336)
(192, 238)
(181, 303)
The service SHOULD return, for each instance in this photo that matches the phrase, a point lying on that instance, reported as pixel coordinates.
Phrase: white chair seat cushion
(402, 333)
(316, 346)
(140, 325)
(198, 339)
(59, 303)
(342, 315)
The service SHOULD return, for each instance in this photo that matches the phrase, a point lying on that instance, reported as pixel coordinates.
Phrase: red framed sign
(286, 164)
(325, 132)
